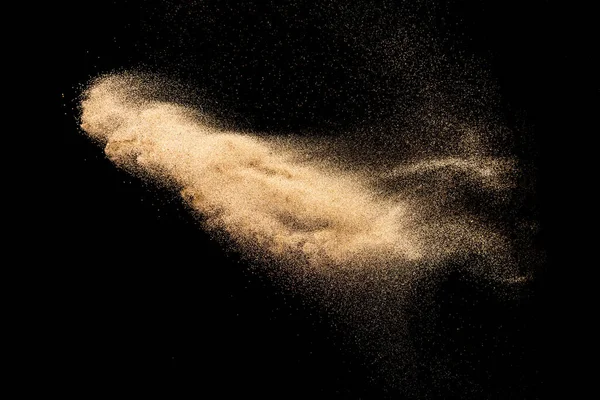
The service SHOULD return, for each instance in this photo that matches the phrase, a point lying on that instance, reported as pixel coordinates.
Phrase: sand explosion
(272, 201)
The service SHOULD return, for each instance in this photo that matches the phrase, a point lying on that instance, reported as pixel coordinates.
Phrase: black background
(143, 301)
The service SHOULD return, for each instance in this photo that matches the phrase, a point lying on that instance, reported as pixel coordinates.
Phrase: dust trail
(486, 171)
(269, 199)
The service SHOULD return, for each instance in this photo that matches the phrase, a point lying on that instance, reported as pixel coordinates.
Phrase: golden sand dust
(274, 203)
